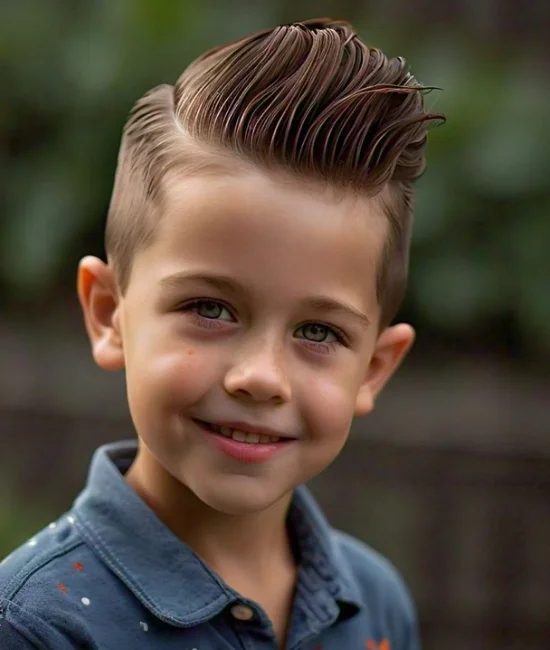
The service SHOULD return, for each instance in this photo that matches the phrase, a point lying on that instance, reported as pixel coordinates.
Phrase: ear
(391, 348)
(100, 302)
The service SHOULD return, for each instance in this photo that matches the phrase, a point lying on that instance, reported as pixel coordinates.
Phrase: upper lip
(245, 427)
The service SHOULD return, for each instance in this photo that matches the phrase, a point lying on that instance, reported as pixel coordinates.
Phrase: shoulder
(40, 604)
(371, 569)
(374, 580)
(38, 558)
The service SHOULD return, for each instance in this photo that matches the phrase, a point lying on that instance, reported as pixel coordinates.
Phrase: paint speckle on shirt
(85, 601)
(144, 626)
(71, 519)
(373, 645)
(77, 566)
(62, 587)
(33, 542)
(52, 525)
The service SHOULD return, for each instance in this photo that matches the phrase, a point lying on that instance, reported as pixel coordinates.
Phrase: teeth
(241, 436)
(253, 438)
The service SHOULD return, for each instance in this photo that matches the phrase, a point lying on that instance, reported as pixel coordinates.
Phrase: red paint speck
(62, 587)
(78, 567)
(373, 645)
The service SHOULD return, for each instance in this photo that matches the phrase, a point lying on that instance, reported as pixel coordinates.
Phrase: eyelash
(189, 306)
(341, 338)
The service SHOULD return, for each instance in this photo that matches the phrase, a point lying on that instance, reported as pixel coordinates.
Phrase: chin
(239, 499)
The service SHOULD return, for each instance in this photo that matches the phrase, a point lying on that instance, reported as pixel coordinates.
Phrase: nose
(258, 373)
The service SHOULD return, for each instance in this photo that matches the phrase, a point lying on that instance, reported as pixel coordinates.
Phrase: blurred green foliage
(482, 238)
(72, 71)
(19, 520)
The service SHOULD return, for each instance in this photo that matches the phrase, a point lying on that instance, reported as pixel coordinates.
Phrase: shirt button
(242, 612)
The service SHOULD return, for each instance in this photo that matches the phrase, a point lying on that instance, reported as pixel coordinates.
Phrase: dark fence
(470, 531)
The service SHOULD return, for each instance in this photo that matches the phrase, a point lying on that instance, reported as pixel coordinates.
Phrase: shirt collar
(162, 571)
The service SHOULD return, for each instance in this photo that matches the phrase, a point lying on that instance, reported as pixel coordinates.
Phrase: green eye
(317, 333)
(209, 309)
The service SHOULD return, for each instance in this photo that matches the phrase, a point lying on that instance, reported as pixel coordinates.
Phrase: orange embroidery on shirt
(78, 567)
(383, 645)
(62, 587)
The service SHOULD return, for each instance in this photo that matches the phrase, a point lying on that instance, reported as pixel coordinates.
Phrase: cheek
(330, 407)
(162, 382)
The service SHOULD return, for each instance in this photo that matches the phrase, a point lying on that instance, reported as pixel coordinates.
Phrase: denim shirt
(109, 575)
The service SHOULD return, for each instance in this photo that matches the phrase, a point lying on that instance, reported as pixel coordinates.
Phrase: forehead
(269, 231)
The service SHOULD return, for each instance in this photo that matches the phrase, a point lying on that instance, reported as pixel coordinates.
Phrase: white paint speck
(71, 519)
(144, 626)
(33, 542)
(85, 601)
(52, 525)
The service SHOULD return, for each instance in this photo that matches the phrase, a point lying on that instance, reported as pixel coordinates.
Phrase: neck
(248, 547)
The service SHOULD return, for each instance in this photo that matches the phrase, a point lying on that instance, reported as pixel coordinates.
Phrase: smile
(248, 446)
(241, 436)
(238, 435)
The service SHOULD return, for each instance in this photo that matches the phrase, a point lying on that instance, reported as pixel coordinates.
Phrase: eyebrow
(226, 283)
(326, 304)
(222, 282)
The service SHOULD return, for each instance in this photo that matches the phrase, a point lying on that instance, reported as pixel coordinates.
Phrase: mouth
(238, 435)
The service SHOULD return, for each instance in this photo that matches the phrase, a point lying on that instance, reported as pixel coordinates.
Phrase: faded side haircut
(310, 99)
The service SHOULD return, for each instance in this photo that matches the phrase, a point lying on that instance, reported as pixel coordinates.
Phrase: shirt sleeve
(404, 621)
(412, 635)
(22, 630)
(11, 639)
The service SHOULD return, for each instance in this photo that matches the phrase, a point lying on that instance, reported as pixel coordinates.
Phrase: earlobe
(390, 350)
(98, 296)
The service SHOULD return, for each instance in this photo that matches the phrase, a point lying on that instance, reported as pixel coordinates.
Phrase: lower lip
(245, 452)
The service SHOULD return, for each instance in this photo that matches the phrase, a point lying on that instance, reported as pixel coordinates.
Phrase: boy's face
(254, 309)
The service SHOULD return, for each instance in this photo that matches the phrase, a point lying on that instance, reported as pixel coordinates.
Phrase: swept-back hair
(310, 99)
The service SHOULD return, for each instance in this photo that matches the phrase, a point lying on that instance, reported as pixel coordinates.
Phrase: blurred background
(450, 477)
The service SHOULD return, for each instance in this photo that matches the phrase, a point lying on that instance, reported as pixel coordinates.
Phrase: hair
(310, 99)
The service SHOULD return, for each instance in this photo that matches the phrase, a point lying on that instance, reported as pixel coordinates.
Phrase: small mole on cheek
(190, 351)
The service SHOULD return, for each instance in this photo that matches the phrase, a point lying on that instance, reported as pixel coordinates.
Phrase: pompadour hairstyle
(310, 99)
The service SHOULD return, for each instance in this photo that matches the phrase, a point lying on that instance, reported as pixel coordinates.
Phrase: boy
(257, 244)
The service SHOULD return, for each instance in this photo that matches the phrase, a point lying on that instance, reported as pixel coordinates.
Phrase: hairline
(206, 159)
